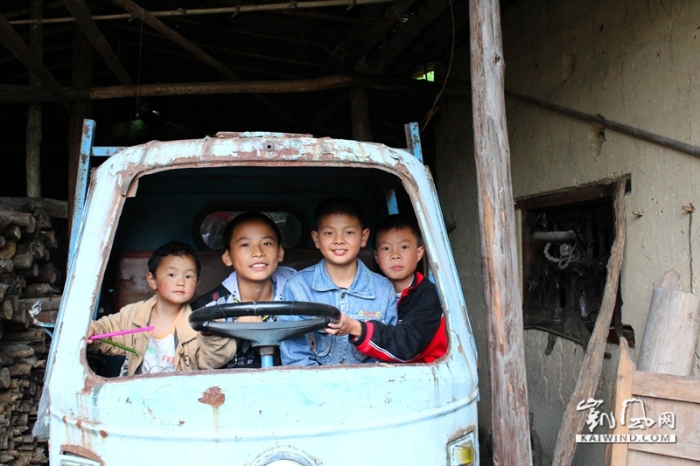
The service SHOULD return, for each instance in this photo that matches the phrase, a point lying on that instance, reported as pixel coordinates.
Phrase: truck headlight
(66, 459)
(462, 452)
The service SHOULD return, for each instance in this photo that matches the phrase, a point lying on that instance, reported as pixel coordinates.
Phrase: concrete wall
(633, 62)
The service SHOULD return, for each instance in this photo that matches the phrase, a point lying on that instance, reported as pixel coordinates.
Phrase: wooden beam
(81, 79)
(573, 421)
(84, 19)
(14, 43)
(164, 29)
(34, 113)
(501, 271)
(182, 12)
(139, 13)
(359, 110)
(18, 94)
(371, 37)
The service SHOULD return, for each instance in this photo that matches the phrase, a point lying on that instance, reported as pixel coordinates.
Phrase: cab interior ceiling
(179, 198)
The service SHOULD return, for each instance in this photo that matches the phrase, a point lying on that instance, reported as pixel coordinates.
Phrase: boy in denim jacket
(341, 280)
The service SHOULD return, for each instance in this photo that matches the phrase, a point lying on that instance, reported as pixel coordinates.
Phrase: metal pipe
(554, 235)
(613, 125)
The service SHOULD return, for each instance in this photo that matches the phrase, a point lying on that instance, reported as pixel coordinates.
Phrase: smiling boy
(254, 250)
(341, 280)
(173, 273)
(420, 335)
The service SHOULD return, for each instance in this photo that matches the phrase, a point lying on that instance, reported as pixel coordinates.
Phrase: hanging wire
(433, 110)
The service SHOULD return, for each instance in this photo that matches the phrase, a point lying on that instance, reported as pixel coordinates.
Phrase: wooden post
(502, 287)
(359, 110)
(82, 78)
(573, 421)
(33, 162)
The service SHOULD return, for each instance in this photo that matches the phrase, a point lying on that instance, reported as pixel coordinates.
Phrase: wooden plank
(501, 271)
(84, 19)
(14, 43)
(670, 387)
(623, 391)
(671, 331)
(677, 450)
(592, 366)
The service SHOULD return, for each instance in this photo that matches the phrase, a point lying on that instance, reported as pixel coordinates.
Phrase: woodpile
(29, 281)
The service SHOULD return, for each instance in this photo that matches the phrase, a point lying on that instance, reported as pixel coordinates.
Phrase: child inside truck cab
(420, 335)
(253, 249)
(172, 345)
(341, 280)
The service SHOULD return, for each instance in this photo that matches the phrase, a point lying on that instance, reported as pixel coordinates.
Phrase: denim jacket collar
(362, 286)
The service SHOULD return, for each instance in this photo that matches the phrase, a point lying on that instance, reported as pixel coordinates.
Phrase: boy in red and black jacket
(420, 335)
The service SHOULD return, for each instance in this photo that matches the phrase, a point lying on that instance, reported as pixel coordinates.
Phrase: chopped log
(671, 331)
(48, 273)
(5, 378)
(55, 208)
(19, 316)
(2, 241)
(20, 369)
(32, 334)
(573, 421)
(12, 233)
(7, 309)
(23, 261)
(22, 219)
(42, 218)
(36, 290)
(6, 265)
(3, 289)
(31, 272)
(7, 251)
(34, 247)
(48, 303)
(49, 239)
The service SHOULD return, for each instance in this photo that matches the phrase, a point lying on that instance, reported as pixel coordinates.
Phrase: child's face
(340, 238)
(253, 252)
(397, 253)
(175, 279)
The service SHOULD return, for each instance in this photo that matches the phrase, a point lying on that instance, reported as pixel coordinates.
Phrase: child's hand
(91, 332)
(249, 319)
(346, 326)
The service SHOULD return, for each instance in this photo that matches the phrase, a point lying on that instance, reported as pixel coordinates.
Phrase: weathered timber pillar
(359, 109)
(34, 116)
(79, 110)
(502, 287)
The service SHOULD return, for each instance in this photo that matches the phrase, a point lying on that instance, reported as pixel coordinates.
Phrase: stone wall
(633, 62)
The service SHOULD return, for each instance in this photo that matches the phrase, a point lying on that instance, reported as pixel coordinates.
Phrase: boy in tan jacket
(172, 345)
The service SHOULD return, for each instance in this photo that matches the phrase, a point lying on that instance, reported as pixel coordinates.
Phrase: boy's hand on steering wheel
(346, 326)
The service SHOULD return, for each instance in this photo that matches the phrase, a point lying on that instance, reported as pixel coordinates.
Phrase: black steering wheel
(261, 334)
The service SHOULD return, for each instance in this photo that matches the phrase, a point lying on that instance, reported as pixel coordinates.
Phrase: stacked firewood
(29, 293)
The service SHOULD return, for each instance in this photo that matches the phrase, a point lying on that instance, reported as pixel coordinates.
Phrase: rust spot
(213, 396)
(79, 424)
(65, 419)
(103, 433)
(181, 423)
(82, 451)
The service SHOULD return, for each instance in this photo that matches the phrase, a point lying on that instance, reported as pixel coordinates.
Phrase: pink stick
(122, 332)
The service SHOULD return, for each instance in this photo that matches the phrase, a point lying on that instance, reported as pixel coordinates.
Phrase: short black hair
(173, 248)
(398, 222)
(340, 205)
(251, 216)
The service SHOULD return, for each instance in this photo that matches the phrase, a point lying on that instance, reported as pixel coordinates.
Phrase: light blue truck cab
(372, 414)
